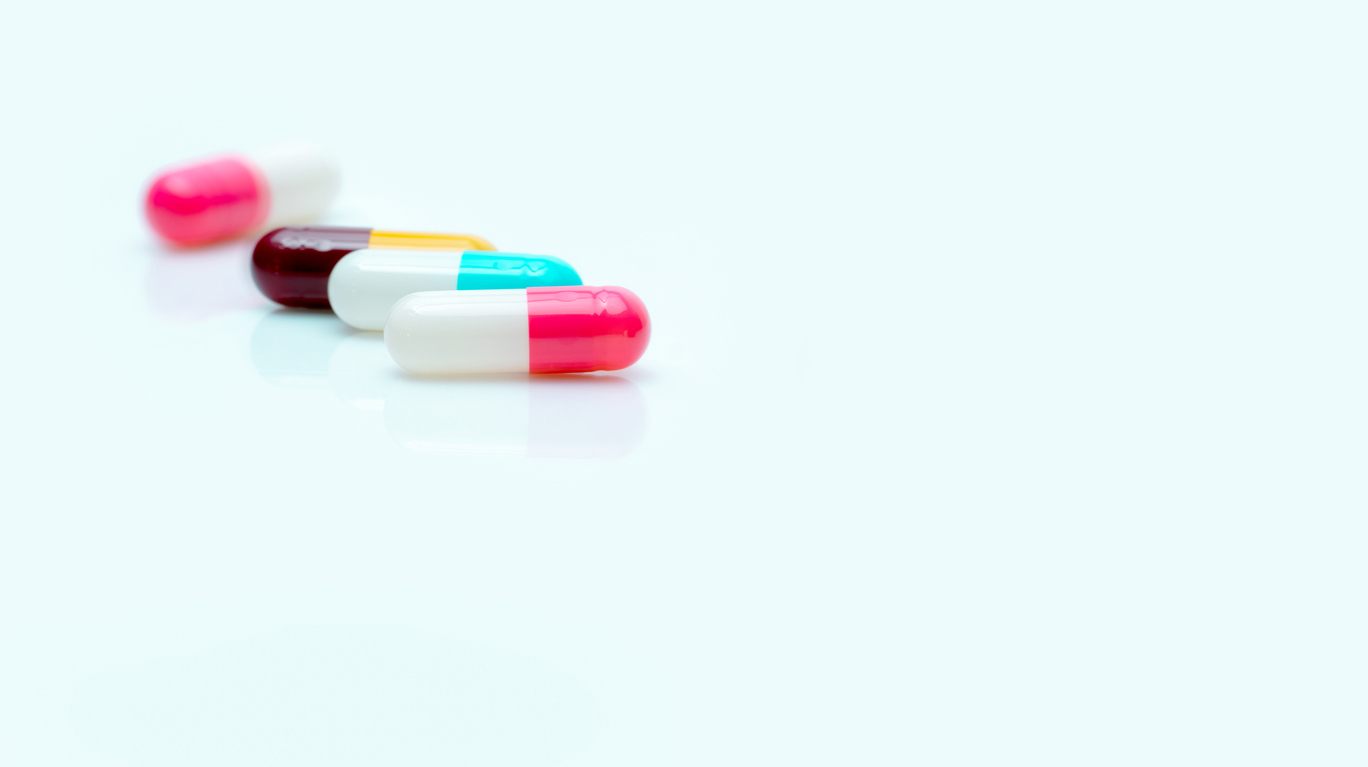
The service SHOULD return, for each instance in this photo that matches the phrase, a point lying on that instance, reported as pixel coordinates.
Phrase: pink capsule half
(227, 196)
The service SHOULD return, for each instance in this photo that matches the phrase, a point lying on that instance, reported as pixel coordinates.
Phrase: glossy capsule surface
(291, 265)
(229, 195)
(535, 330)
(366, 284)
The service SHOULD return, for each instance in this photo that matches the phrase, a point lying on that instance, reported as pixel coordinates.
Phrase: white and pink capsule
(576, 329)
(226, 196)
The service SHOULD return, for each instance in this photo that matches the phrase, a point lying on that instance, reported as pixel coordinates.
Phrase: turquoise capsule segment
(492, 270)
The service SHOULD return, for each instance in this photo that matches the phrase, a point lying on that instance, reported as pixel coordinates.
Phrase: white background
(1005, 403)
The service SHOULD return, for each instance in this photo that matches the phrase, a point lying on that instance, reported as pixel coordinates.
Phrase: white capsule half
(460, 332)
(303, 179)
(366, 283)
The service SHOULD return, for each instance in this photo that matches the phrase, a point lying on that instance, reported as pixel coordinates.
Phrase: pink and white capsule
(219, 197)
(575, 329)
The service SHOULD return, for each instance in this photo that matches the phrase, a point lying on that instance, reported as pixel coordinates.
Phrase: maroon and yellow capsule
(291, 265)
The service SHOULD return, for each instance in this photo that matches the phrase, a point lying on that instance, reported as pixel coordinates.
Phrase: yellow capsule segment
(422, 241)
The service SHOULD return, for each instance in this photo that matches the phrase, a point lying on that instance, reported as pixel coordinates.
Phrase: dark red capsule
(291, 265)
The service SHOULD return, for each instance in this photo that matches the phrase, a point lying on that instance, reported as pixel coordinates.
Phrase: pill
(226, 196)
(366, 284)
(291, 265)
(533, 330)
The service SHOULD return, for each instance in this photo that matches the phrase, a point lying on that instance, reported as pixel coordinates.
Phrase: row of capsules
(449, 304)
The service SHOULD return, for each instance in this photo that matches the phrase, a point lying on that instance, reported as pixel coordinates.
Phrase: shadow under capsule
(196, 284)
(294, 347)
(571, 416)
(562, 416)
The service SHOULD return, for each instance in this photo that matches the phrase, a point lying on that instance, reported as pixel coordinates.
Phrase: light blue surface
(492, 270)
(1064, 467)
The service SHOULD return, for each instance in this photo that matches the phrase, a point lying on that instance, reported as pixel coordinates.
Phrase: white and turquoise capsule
(367, 283)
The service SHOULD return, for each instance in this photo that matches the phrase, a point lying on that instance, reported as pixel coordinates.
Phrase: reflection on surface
(337, 696)
(196, 284)
(292, 347)
(570, 416)
(560, 416)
